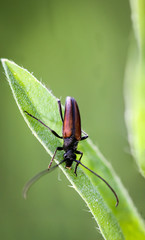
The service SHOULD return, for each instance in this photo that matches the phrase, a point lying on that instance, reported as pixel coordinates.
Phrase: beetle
(71, 135)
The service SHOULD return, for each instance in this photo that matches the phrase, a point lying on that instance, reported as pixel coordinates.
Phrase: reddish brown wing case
(72, 121)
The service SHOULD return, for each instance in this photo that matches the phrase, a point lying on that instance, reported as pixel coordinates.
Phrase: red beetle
(72, 134)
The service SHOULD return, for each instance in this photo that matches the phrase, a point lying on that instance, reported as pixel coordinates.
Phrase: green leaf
(135, 86)
(114, 223)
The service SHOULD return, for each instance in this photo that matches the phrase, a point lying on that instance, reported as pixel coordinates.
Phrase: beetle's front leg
(77, 152)
(57, 149)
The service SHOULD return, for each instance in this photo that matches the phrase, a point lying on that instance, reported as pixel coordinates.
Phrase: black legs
(53, 132)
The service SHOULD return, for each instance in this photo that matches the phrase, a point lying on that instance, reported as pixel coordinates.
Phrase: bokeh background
(77, 48)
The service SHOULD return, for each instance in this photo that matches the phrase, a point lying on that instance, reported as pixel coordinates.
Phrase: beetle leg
(60, 109)
(53, 132)
(57, 149)
(84, 137)
(78, 152)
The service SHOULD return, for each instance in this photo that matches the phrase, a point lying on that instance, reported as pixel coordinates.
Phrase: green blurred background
(77, 48)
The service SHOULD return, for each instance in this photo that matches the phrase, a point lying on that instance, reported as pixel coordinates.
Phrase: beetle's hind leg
(60, 109)
(53, 132)
(84, 137)
(77, 152)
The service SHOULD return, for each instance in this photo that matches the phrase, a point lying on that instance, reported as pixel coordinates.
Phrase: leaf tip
(5, 61)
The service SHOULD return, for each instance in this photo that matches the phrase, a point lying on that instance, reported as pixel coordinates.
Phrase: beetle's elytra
(72, 121)
(71, 135)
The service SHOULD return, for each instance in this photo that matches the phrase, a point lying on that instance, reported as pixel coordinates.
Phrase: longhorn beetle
(71, 135)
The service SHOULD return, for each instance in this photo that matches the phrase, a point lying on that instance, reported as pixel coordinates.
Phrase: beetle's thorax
(69, 156)
(70, 144)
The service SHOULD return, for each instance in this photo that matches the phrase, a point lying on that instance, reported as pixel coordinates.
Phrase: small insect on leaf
(71, 135)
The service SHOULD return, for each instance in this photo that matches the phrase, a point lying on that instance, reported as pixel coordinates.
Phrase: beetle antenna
(37, 176)
(117, 199)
